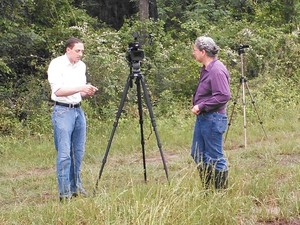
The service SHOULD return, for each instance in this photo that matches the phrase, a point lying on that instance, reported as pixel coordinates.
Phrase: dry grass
(264, 178)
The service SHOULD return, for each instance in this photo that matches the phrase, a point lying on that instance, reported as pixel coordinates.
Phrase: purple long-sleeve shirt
(213, 91)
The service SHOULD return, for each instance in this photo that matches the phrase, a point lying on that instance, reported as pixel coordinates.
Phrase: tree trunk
(113, 12)
(144, 10)
(153, 10)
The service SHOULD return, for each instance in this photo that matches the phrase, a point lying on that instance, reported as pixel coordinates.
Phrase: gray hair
(207, 44)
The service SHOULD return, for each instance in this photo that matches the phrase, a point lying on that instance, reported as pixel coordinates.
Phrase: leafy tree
(29, 37)
(279, 13)
(33, 32)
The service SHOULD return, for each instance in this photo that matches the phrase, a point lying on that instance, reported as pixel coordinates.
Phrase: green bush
(171, 73)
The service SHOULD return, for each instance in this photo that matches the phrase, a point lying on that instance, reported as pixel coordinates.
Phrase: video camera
(135, 54)
(241, 48)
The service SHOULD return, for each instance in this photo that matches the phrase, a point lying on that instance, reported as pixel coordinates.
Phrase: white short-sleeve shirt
(63, 74)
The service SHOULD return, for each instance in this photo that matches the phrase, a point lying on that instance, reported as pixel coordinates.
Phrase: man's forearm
(63, 92)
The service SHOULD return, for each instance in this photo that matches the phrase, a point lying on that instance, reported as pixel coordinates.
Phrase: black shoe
(221, 179)
(205, 172)
(81, 193)
(65, 199)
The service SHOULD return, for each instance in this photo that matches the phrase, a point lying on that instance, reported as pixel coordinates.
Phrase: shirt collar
(210, 65)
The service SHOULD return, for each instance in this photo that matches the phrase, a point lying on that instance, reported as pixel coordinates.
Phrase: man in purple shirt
(209, 105)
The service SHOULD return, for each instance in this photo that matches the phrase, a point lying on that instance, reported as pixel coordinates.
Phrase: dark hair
(71, 42)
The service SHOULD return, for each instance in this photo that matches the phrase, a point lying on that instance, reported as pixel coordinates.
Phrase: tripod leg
(244, 112)
(253, 103)
(122, 102)
(138, 88)
(149, 106)
(231, 115)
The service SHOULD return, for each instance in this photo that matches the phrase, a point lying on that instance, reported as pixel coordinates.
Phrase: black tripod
(140, 82)
(243, 84)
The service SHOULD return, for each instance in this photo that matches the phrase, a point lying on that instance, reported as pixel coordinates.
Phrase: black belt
(68, 105)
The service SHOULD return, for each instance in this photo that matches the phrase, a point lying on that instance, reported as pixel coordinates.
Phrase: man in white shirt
(66, 75)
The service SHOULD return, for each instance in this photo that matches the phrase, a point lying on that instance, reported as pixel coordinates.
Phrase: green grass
(264, 178)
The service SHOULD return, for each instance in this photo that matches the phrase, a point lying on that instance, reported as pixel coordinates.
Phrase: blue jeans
(207, 145)
(69, 137)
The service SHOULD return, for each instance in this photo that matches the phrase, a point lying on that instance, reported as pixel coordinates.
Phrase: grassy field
(264, 185)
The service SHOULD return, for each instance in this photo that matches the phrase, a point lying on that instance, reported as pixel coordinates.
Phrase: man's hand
(88, 90)
(195, 110)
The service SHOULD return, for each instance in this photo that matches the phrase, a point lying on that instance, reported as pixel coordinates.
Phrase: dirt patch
(281, 222)
(287, 159)
(168, 157)
(150, 158)
(34, 172)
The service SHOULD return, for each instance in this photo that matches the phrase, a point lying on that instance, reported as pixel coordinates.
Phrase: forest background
(33, 33)
(263, 177)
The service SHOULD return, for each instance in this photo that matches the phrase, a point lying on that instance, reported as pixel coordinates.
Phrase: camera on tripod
(135, 54)
(241, 48)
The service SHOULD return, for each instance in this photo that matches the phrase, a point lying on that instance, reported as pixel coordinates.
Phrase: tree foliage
(33, 32)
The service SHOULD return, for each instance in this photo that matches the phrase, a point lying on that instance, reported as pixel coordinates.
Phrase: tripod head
(135, 55)
(241, 48)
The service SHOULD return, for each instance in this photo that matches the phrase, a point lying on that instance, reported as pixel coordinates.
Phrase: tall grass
(263, 188)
